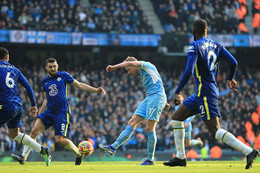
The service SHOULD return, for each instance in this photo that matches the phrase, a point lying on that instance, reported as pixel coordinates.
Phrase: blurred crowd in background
(74, 16)
(127, 16)
(226, 17)
(100, 119)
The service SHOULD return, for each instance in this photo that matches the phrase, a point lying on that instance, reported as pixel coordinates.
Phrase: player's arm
(86, 87)
(167, 106)
(123, 65)
(224, 53)
(24, 82)
(188, 120)
(190, 65)
(44, 104)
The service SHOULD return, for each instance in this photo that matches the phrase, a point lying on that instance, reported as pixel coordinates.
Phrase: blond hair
(130, 58)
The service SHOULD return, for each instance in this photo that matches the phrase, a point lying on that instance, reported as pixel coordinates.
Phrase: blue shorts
(60, 121)
(151, 107)
(11, 114)
(207, 107)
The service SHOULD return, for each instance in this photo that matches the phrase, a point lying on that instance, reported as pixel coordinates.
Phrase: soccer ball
(85, 148)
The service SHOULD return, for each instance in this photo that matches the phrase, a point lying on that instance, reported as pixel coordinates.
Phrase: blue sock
(123, 137)
(151, 143)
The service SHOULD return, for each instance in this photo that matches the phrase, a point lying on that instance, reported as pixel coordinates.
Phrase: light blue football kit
(151, 107)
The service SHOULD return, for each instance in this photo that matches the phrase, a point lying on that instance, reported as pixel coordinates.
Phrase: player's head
(131, 70)
(199, 29)
(4, 54)
(51, 66)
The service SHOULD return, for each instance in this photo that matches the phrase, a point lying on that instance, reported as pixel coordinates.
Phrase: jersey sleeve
(192, 53)
(145, 65)
(224, 53)
(24, 82)
(68, 78)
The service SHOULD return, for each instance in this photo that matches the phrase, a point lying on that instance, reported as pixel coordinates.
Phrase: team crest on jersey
(53, 90)
(58, 79)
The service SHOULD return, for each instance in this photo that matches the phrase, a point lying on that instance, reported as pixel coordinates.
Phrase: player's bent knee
(61, 140)
(13, 135)
(132, 123)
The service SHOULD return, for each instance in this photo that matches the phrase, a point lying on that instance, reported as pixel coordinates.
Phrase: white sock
(27, 140)
(178, 131)
(26, 151)
(71, 147)
(194, 142)
(232, 141)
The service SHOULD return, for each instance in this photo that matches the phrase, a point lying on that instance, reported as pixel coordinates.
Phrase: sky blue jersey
(56, 91)
(10, 76)
(151, 79)
(203, 60)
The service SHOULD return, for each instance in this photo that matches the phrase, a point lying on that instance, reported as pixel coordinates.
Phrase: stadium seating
(74, 16)
(103, 118)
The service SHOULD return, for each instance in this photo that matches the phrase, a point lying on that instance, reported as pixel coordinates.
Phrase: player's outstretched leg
(78, 160)
(251, 157)
(176, 162)
(18, 158)
(147, 163)
(107, 148)
(45, 153)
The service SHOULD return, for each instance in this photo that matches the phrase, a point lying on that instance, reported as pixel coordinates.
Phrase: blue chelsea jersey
(203, 60)
(151, 79)
(207, 52)
(10, 76)
(56, 91)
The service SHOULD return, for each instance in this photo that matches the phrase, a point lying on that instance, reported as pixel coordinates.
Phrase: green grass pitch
(129, 167)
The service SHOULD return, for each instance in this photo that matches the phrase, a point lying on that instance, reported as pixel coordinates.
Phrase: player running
(11, 109)
(149, 109)
(57, 113)
(188, 128)
(204, 55)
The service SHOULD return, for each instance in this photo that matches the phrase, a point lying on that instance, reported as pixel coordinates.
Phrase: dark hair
(3, 53)
(199, 27)
(50, 60)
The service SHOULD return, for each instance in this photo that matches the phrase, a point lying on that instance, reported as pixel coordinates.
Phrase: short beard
(53, 75)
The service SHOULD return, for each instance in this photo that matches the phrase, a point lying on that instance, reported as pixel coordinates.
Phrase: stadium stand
(72, 16)
(178, 16)
(102, 118)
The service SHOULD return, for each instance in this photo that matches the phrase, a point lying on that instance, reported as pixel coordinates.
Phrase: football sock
(178, 132)
(123, 137)
(194, 142)
(151, 143)
(27, 140)
(71, 147)
(232, 141)
(26, 151)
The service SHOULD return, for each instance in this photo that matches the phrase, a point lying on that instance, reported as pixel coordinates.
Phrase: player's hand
(100, 90)
(167, 106)
(110, 68)
(232, 84)
(178, 99)
(33, 111)
(186, 125)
